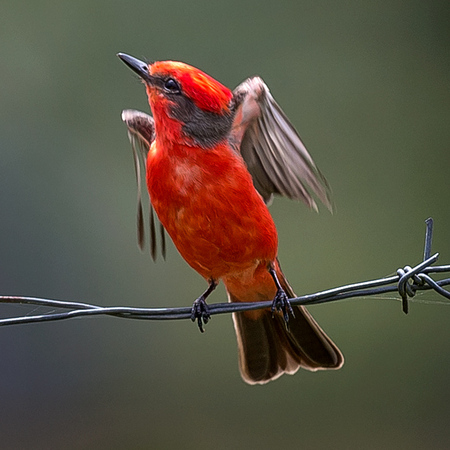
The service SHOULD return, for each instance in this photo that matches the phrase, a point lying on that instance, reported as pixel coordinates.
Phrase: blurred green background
(366, 84)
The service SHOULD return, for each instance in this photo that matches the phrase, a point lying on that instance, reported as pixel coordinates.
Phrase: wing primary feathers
(162, 234)
(288, 182)
(153, 249)
(141, 132)
(137, 170)
(313, 176)
(272, 149)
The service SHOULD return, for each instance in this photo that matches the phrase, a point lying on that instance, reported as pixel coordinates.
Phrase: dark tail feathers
(267, 349)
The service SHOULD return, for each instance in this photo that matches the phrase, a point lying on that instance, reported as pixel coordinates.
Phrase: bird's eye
(170, 85)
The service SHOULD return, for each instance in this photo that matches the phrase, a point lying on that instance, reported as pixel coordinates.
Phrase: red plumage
(203, 191)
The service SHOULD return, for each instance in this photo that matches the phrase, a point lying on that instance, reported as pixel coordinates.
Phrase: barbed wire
(406, 282)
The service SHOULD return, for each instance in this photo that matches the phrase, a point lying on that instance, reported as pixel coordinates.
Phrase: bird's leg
(281, 301)
(200, 310)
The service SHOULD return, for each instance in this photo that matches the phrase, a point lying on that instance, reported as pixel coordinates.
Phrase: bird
(214, 160)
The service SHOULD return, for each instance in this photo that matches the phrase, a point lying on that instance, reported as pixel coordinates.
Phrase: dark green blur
(367, 84)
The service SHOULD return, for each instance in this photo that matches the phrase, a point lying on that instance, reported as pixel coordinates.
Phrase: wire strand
(406, 282)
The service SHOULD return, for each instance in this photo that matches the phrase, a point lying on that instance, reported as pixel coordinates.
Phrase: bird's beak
(138, 66)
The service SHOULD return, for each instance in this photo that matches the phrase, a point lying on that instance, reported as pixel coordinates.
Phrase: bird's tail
(267, 349)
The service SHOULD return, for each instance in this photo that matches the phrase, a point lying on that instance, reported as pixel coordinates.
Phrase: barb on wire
(407, 282)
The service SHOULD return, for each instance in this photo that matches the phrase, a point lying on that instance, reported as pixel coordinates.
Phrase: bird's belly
(217, 235)
(215, 242)
(209, 207)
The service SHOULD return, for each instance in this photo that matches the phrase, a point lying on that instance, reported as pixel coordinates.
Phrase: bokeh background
(367, 85)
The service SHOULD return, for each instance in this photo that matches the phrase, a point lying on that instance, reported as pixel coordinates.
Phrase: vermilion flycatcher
(215, 159)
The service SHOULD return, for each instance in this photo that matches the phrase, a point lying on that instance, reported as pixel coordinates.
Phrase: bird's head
(188, 105)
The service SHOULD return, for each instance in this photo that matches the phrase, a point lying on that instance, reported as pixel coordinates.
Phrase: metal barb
(408, 279)
(428, 238)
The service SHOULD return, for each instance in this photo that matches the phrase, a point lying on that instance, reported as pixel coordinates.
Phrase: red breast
(206, 201)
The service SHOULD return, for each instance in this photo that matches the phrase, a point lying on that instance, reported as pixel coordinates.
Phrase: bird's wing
(141, 132)
(272, 149)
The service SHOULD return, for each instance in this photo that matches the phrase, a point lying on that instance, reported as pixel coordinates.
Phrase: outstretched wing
(141, 131)
(272, 149)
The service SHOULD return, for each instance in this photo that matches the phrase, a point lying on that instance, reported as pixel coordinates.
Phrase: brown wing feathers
(274, 152)
(141, 131)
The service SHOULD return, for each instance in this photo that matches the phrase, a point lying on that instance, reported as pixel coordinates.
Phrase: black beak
(138, 66)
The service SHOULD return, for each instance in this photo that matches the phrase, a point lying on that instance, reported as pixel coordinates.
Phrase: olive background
(367, 86)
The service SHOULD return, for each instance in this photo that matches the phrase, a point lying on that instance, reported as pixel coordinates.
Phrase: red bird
(215, 159)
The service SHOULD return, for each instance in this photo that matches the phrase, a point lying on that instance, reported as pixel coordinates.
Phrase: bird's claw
(200, 312)
(281, 304)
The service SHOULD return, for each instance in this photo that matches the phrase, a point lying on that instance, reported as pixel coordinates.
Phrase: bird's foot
(281, 304)
(200, 312)
(200, 309)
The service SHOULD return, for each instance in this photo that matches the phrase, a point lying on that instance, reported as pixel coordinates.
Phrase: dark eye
(170, 85)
